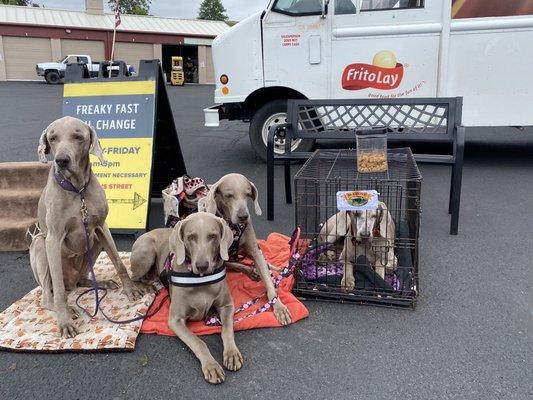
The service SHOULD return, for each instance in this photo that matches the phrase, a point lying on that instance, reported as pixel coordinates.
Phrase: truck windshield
(298, 7)
(63, 59)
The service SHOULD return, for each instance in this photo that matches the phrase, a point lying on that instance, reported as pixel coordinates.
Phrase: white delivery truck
(320, 49)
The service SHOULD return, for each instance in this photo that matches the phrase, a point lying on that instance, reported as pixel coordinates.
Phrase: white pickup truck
(53, 72)
(354, 49)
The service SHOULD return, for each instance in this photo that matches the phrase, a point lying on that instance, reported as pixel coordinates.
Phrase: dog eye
(191, 238)
(211, 237)
(228, 195)
(79, 138)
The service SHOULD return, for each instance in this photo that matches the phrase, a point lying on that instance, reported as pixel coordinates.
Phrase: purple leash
(69, 187)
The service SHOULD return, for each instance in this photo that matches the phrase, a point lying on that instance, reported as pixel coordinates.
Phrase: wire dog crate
(379, 248)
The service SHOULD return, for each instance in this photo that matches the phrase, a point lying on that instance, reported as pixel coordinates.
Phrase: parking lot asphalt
(470, 337)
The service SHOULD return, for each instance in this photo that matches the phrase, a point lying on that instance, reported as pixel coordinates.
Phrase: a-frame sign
(133, 120)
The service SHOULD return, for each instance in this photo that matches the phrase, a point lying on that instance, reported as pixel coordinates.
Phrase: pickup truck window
(298, 7)
(375, 5)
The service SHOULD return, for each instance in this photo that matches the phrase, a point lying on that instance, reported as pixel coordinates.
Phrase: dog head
(368, 224)
(70, 141)
(203, 239)
(229, 197)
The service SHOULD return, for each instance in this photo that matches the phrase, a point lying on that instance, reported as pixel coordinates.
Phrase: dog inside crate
(363, 254)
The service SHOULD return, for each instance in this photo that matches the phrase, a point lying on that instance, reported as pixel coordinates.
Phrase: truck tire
(52, 77)
(273, 113)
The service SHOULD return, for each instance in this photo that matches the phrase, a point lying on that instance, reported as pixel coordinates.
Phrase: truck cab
(322, 49)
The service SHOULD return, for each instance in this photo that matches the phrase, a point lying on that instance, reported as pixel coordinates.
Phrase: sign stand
(133, 120)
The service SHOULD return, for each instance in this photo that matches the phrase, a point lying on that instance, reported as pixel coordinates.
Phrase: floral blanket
(26, 326)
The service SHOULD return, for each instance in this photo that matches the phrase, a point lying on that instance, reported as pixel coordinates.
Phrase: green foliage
(212, 10)
(139, 7)
(16, 2)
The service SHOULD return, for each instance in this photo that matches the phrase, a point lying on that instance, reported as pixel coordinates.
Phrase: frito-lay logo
(384, 73)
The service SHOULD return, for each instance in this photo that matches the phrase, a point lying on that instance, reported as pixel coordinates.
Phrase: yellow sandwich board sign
(124, 113)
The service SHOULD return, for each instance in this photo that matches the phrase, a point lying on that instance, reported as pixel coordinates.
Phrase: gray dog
(58, 252)
(191, 258)
(228, 198)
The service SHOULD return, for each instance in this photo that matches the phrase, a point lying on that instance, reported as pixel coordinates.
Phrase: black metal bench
(414, 120)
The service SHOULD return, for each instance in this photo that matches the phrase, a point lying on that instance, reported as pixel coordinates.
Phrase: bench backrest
(413, 119)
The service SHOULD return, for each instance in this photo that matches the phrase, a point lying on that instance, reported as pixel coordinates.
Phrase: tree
(139, 7)
(212, 10)
(16, 2)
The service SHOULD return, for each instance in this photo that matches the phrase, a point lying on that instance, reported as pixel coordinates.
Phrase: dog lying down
(191, 256)
(370, 233)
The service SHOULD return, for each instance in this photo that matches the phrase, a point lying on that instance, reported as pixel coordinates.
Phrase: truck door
(295, 45)
(385, 48)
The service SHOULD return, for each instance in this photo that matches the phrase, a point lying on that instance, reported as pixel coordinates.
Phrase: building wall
(21, 47)
(2, 61)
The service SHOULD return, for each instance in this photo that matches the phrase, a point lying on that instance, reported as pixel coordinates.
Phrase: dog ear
(210, 202)
(255, 198)
(44, 147)
(227, 239)
(335, 227)
(385, 223)
(95, 145)
(176, 244)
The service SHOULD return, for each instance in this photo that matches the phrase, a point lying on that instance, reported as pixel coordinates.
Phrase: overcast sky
(237, 9)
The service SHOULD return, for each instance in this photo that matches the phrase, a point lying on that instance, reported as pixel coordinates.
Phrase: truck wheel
(270, 114)
(52, 77)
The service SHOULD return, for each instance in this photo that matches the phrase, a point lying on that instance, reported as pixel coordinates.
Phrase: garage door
(210, 75)
(131, 53)
(22, 53)
(93, 48)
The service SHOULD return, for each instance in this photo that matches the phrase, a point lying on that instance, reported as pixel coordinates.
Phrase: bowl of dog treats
(371, 151)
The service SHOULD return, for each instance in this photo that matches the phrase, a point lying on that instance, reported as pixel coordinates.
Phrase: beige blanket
(26, 326)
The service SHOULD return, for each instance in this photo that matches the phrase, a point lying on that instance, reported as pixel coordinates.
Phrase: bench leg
(270, 184)
(450, 202)
(288, 186)
(457, 177)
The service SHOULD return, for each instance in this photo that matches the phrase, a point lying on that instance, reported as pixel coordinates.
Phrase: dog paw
(74, 312)
(109, 284)
(68, 329)
(132, 292)
(348, 283)
(233, 359)
(253, 274)
(213, 372)
(282, 314)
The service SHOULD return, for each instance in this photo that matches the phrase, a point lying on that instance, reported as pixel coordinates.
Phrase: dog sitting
(191, 256)
(370, 233)
(228, 198)
(58, 249)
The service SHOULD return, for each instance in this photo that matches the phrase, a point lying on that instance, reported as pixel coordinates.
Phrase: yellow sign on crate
(122, 113)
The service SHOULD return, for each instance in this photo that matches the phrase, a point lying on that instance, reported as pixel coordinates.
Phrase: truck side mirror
(324, 9)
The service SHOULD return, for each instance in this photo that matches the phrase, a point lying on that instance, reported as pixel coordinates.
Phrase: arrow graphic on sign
(137, 201)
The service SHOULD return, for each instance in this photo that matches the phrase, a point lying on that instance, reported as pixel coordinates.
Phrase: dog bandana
(238, 230)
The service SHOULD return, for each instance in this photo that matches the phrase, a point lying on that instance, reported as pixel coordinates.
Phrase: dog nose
(62, 161)
(243, 217)
(202, 268)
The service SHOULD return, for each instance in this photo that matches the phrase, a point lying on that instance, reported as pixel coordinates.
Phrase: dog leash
(65, 184)
(284, 273)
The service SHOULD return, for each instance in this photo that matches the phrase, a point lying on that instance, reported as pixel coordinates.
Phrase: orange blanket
(276, 251)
